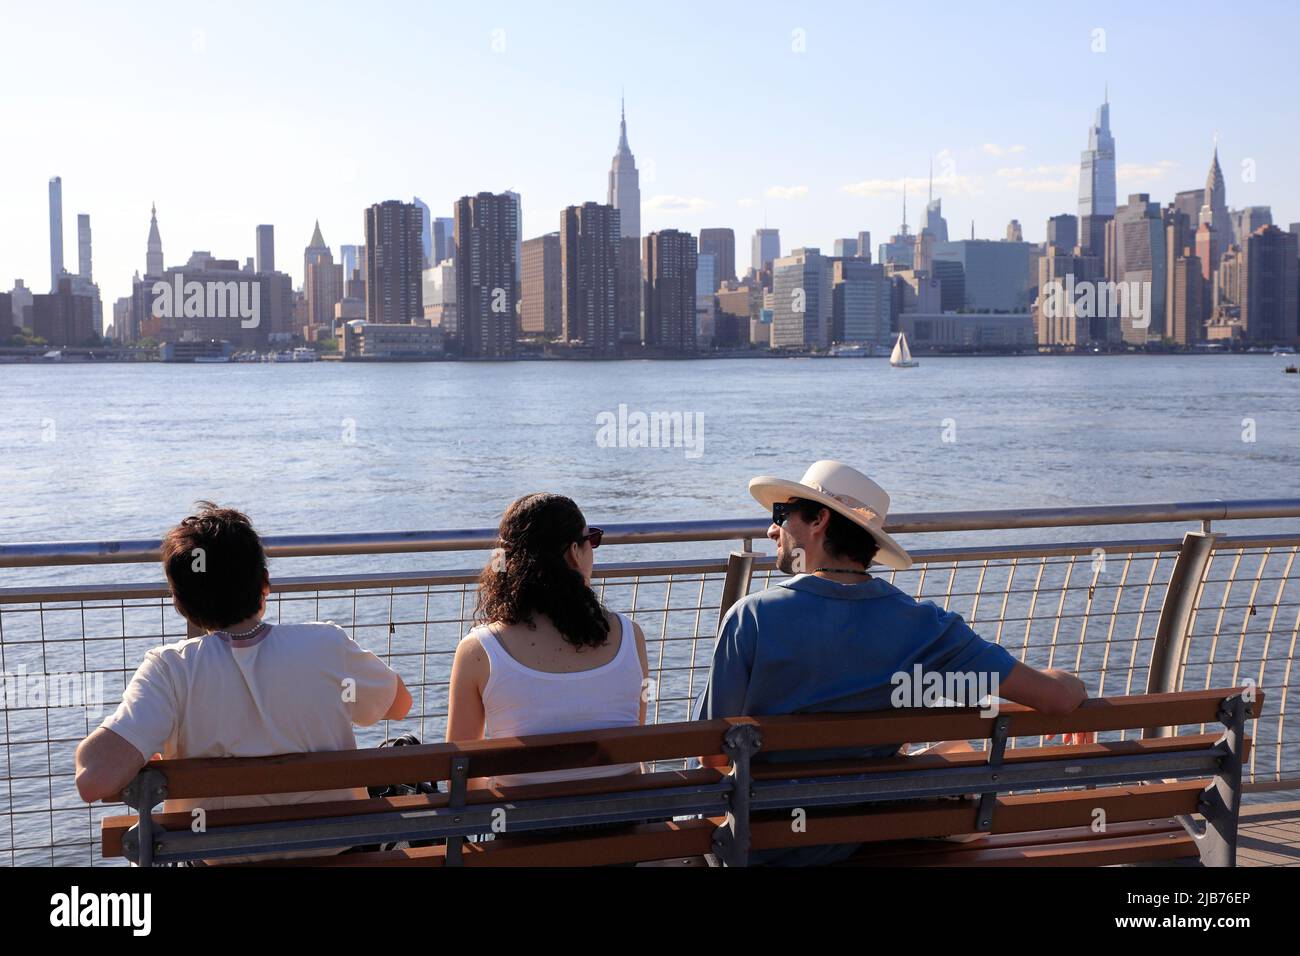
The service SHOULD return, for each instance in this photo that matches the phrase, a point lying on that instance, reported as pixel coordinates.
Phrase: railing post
(1176, 617)
(740, 567)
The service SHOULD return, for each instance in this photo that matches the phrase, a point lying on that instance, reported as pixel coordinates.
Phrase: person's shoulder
(753, 607)
(308, 630)
(178, 653)
(916, 611)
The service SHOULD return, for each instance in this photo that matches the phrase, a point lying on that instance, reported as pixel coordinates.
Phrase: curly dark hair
(216, 567)
(530, 576)
(844, 538)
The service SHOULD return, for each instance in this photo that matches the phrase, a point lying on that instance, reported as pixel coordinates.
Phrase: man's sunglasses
(782, 510)
(593, 537)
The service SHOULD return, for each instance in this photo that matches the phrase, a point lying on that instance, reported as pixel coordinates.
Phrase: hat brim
(767, 491)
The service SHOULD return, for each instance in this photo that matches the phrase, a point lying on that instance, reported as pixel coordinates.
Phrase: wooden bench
(1130, 801)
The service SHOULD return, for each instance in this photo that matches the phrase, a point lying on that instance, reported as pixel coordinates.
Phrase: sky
(808, 118)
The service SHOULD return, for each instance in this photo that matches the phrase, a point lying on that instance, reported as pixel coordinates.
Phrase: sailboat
(902, 355)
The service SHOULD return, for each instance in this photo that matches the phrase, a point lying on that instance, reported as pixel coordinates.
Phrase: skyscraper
(860, 302)
(540, 307)
(670, 263)
(322, 282)
(625, 196)
(864, 245)
(316, 250)
(802, 288)
(934, 221)
(84, 268)
(625, 183)
(1267, 287)
(444, 238)
(765, 249)
(1097, 183)
(394, 293)
(706, 288)
(1186, 307)
(589, 259)
(1214, 213)
(426, 232)
(1139, 256)
(56, 232)
(1247, 220)
(720, 243)
(153, 259)
(487, 230)
(1063, 233)
(266, 249)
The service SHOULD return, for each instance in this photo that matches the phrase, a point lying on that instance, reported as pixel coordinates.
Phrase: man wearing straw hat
(835, 638)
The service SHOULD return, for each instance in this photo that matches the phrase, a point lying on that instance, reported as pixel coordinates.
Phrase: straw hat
(845, 491)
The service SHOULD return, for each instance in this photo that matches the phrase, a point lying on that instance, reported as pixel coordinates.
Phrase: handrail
(146, 550)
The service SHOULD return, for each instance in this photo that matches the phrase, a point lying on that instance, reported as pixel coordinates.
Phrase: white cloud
(665, 203)
(786, 192)
(1061, 178)
(944, 185)
(1141, 171)
(993, 149)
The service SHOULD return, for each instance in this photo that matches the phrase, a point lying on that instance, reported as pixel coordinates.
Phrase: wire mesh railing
(1095, 608)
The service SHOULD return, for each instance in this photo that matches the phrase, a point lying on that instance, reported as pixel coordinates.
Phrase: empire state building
(625, 196)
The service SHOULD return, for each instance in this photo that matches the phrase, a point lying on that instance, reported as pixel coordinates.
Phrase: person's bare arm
(647, 687)
(401, 702)
(106, 763)
(469, 674)
(1050, 691)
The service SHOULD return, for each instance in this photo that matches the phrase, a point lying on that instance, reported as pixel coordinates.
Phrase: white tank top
(519, 700)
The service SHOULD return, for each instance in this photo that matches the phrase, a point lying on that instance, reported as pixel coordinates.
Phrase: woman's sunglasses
(592, 537)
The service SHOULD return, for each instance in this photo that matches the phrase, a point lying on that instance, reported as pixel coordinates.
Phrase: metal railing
(1129, 615)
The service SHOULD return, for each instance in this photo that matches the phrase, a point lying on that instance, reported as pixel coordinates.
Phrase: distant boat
(850, 351)
(304, 354)
(901, 357)
(1283, 350)
(1291, 370)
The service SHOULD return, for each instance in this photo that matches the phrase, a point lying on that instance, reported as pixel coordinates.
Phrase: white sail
(902, 355)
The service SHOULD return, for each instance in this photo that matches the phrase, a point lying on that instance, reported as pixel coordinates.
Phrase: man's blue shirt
(808, 645)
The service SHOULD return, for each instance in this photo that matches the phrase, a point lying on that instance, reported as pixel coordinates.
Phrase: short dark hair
(844, 538)
(216, 567)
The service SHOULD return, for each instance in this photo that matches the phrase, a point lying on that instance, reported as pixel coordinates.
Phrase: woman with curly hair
(546, 656)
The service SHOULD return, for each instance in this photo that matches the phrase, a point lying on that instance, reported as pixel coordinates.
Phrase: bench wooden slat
(1012, 814)
(1049, 812)
(906, 850)
(235, 776)
(114, 828)
(928, 761)
(645, 842)
(1107, 851)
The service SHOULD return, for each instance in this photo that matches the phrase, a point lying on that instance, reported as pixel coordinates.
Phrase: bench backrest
(750, 806)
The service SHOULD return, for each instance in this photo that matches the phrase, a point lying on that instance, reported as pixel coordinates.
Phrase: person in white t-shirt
(547, 656)
(246, 687)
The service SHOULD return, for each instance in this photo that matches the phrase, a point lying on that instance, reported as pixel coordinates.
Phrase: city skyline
(1016, 156)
